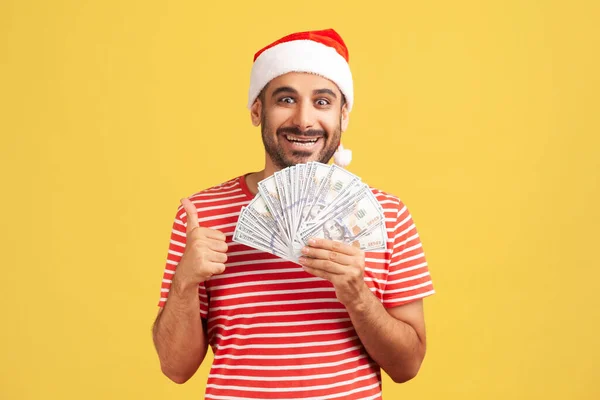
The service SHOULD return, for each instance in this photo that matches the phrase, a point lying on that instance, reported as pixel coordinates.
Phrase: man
(279, 330)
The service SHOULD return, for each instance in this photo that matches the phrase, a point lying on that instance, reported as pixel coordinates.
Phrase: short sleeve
(175, 252)
(408, 273)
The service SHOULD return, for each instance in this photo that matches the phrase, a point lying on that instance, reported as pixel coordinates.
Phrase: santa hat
(321, 52)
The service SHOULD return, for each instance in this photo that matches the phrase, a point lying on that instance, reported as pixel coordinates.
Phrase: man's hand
(394, 339)
(205, 251)
(178, 332)
(341, 264)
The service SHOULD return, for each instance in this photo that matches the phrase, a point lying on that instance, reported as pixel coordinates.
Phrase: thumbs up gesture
(205, 250)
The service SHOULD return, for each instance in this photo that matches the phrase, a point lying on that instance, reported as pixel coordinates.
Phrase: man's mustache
(298, 132)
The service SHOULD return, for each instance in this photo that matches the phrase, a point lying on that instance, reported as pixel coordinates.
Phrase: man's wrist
(183, 287)
(361, 302)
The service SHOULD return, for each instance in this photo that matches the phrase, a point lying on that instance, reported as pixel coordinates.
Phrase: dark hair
(261, 95)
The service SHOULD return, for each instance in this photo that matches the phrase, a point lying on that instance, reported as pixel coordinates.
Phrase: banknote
(240, 236)
(311, 200)
(348, 223)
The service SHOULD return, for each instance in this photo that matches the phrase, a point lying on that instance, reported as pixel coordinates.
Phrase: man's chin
(298, 161)
(299, 157)
(303, 157)
(302, 154)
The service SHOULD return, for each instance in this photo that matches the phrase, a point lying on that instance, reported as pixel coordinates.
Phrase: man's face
(301, 119)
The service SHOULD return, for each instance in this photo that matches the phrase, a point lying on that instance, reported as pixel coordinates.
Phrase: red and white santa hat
(321, 52)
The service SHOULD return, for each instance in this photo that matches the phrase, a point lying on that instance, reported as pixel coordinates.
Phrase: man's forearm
(391, 343)
(178, 334)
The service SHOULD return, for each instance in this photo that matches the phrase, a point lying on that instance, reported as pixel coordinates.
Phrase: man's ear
(345, 118)
(256, 112)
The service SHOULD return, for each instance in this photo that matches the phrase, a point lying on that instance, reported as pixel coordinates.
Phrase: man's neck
(253, 178)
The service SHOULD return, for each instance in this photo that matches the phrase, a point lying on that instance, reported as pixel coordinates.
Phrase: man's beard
(282, 160)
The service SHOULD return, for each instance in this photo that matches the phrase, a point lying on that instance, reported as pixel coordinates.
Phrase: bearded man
(320, 329)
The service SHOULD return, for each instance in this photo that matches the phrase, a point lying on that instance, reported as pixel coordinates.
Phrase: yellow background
(482, 116)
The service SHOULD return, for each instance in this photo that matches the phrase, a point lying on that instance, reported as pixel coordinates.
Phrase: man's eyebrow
(289, 89)
(325, 91)
(284, 89)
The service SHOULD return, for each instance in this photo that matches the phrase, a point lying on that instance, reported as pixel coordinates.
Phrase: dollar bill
(252, 223)
(311, 200)
(373, 239)
(315, 179)
(336, 182)
(270, 193)
(347, 224)
(342, 201)
(240, 236)
(282, 196)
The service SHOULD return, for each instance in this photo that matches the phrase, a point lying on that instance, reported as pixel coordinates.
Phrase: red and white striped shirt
(278, 332)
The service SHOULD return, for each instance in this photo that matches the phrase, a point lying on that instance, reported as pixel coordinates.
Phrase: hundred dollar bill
(303, 184)
(289, 192)
(339, 181)
(240, 235)
(363, 213)
(298, 185)
(268, 190)
(262, 220)
(311, 200)
(268, 242)
(253, 222)
(336, 182)
(316, 176)
(282, 194)
(259, 207)
(373, 239)
(341, 202)
(294, 178)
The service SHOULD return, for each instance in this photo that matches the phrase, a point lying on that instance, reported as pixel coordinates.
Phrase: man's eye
(288, 100)
(322, 102)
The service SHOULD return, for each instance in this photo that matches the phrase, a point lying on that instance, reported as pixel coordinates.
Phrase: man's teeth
(305, 142)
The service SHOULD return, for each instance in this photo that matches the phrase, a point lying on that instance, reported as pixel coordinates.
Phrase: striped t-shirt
(278, 332)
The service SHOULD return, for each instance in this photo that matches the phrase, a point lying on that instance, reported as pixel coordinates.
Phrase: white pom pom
(342, 157)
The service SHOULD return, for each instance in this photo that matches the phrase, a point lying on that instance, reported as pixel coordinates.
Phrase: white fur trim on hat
(301, 56)
(342, 156)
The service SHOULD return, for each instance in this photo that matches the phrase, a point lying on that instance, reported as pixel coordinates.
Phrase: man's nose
(304, 116)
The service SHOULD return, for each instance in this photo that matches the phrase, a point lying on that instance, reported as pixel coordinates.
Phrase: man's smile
(300, 142)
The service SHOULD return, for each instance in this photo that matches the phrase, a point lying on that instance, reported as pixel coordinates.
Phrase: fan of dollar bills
(311, 200)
